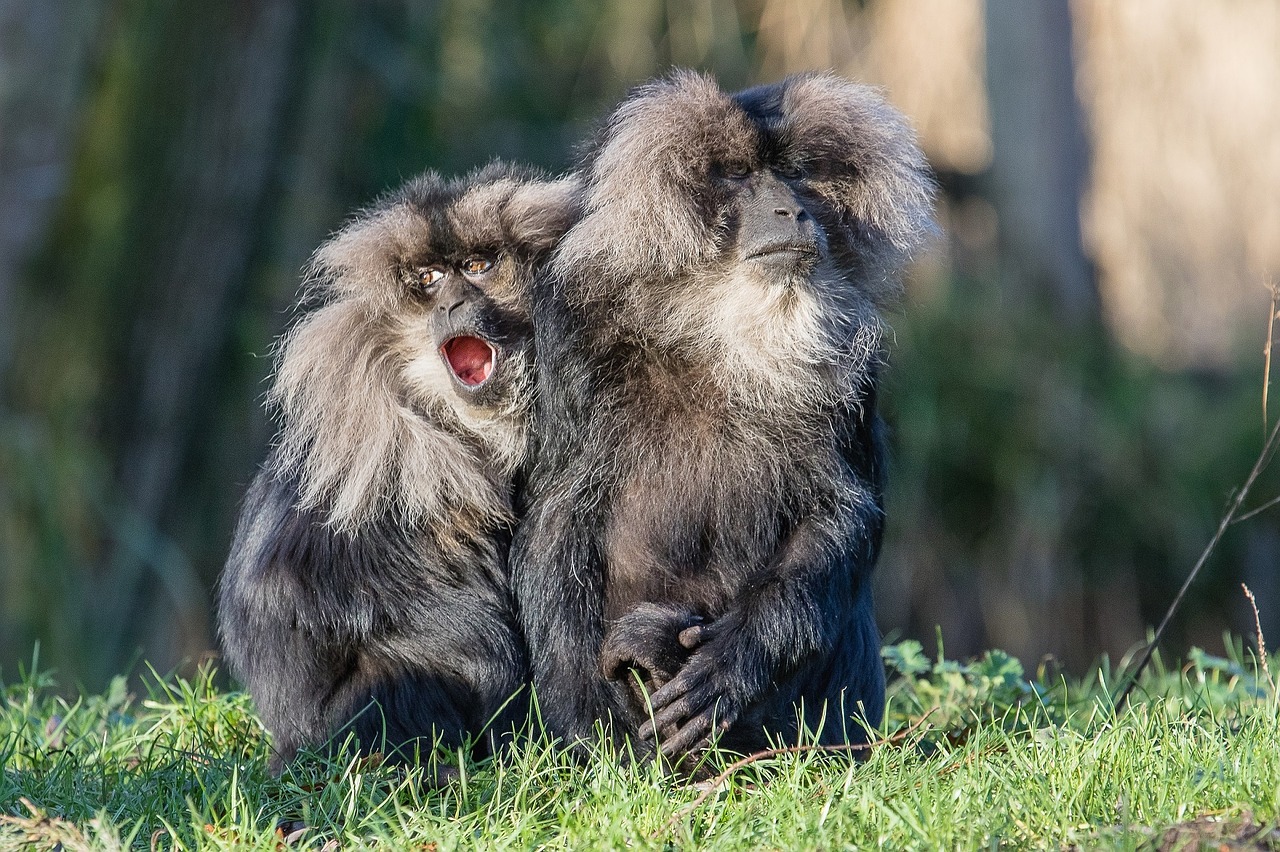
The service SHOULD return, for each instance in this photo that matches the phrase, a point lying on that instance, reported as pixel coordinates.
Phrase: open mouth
(471, 359)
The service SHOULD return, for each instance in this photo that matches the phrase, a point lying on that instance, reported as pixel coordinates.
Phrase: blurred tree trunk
(204, 223)
(1040, 153)
(44, 46)
(129, 305)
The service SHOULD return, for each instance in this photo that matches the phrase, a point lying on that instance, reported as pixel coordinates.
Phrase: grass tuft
(980, 754)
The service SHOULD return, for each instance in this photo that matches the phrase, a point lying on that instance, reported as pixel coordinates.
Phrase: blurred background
(1077, 376)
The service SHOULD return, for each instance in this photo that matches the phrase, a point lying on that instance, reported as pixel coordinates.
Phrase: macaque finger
(691, 637)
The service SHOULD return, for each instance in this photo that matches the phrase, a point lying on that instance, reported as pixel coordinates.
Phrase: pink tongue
(470, 358)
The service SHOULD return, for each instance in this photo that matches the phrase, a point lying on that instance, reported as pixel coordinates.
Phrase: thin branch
(1258, 510)
(1268, 449)
(755, 757)
(1266, 351)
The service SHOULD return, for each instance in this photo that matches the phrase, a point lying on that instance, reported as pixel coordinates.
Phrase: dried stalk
(1262, 641)
(715, 783)
(1232, 516)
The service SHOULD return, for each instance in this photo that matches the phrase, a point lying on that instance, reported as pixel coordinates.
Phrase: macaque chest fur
(713, 473)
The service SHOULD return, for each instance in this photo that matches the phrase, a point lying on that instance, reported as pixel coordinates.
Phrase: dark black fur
(381, 633)
(366, 591)
(706, 497)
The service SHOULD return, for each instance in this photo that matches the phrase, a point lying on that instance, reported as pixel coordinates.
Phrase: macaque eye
(429, 275)
(736, 171)
(476, 265)
(791, 171)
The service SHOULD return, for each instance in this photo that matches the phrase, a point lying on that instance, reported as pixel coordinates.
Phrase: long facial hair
(371, 422)
(655, 242)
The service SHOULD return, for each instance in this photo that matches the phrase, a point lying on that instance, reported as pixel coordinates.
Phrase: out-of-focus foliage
(166, 169)
(1050, 490)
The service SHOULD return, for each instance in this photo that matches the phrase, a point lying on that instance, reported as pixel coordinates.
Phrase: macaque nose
(773, 194)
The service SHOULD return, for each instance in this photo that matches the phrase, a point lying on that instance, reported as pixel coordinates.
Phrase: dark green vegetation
(979, 754)
(1050, 491)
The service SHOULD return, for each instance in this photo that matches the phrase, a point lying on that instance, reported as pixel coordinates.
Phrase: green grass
(990, 758)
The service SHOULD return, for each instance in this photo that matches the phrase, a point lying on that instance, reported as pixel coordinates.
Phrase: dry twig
(1268, 449)
(1266, 350)
(1232, 516)
(755, 757)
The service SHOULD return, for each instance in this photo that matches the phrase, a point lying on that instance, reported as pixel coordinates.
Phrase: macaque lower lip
(780, 251)
(471, 359)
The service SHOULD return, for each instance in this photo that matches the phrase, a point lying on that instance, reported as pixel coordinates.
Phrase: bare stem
(1266, 351)
(1257, 510)
(715, 783)
(1268, 449)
